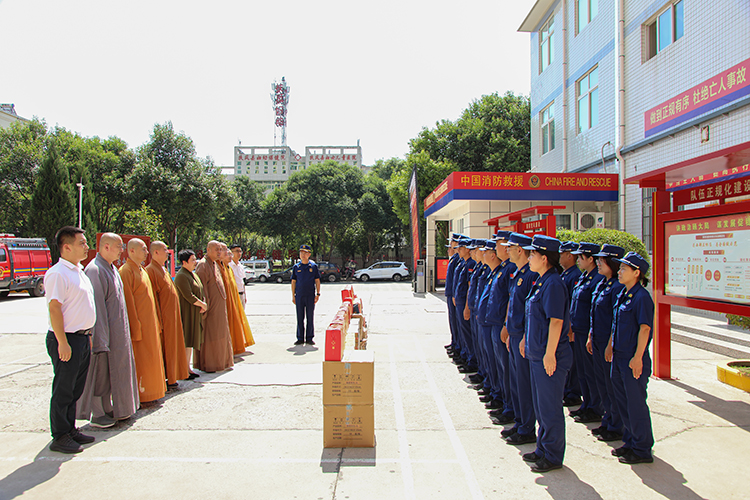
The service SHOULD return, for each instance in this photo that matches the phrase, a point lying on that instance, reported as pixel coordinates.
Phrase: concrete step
(710, 341)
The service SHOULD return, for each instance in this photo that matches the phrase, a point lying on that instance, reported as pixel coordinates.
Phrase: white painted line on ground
(343, 462)
(27, 357)
(458, 448)
(24, 368)
(403, 443)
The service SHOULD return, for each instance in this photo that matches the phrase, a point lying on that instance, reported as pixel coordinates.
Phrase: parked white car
(260, 267)
(383, 270)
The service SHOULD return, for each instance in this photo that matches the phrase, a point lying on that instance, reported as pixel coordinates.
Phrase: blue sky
(373, 71)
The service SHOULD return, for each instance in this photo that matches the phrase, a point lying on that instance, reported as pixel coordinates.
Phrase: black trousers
(69, 381)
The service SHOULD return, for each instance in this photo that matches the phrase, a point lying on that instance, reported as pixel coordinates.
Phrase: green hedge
(741, 321)
(612, 236)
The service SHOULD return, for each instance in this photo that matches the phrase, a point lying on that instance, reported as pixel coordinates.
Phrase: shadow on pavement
(736, 412)
(665, 480)
(332, 459)
(301, 350)
(564, 484)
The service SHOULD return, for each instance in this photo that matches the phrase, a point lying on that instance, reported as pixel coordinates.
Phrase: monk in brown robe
(144, 323)
(168, 309)
(216, 352)
(235, 312)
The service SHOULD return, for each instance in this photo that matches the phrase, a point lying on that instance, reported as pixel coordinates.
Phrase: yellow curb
(728, 374)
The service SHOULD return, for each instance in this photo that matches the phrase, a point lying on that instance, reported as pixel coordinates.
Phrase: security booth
(701, 228)
(478, 203)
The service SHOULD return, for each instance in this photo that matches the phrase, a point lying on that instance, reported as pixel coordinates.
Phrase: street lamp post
(80, 204)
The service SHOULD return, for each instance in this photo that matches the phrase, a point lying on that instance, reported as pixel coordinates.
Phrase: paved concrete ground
(214, 439)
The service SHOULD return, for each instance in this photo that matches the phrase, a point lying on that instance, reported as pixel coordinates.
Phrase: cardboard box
(350, 381)
(335, 340)
(348, 426)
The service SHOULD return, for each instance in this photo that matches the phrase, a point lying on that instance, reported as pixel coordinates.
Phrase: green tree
(22, 149)
(52, 201)
(629, 242)
(386, 168)
(244, 214)
(143, 221)
(110, 162)
(375, 213)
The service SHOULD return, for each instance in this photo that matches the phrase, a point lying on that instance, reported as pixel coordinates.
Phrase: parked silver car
(383, 270)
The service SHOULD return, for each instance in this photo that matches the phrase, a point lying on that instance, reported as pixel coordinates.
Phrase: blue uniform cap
(517, 239)
(455, 237)
(474, 244)
(305, 248)
(542, 242)
(611, 251)
(502, 235)
(584, 247)
(568, 246)
(636, 262)
(488, 245)
(464, 242)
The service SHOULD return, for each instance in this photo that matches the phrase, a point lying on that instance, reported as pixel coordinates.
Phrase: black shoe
(531, 457)
(575, 413)
(448, 347)
(588, 417)
(310, 342)
(193, 376)
(496, 412)
(572, 401)
(65, 444)
(519, 439)
(505, 418)
(598, 430)
(173, 386)
(619, 452)
(506, 433)
(486, 398)
(467, 369)
(545, 465)
(631, 458)
(495, 404)
(476, 379)
(608, 436)
(80, 438)
(481, 389)
(299, 342)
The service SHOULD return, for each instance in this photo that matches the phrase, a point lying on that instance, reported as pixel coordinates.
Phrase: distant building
(271, 166)
(8, 115)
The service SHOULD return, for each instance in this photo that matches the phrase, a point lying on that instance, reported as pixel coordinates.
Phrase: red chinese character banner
(715, 92)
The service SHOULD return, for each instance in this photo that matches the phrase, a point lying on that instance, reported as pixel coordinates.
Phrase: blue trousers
(464, 327)
(520, 377)
(603, 382)
(68, 382)
(305, 310)
(630, 397)
(455, 344)
(488, 358)
(502, 361)
(585, 369)
(548, 395)
(572, 386)
(478, 347)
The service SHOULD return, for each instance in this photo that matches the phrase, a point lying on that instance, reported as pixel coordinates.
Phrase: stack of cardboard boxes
(348, 380)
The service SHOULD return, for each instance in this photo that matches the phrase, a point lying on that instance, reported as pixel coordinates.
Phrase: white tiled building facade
(669, 47)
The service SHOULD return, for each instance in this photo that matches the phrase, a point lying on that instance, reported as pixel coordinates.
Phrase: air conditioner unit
(589, 220)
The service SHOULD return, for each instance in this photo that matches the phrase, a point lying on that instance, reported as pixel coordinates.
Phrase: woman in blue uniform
(548, 352)
(631, 361)
(602, 315)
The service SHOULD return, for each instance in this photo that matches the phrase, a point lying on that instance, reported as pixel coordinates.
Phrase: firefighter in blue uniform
(602, 316)
(467, 362)
(453, 259)
(475, 282)
(497, 309)
(515, 325)
(631, 361)
(490, 392)
(570, 275)
(547, 348)
(305, 294)
(580, 319)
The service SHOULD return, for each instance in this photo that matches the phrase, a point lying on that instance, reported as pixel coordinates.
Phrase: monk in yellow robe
(168, 309)
(215, 353)
(144, 323)
(234, 312)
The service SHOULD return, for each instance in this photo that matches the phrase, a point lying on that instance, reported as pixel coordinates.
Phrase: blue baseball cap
(636, 262)
(611, 251)
(517, 239)
(543, 242)
(487, 245)
(584, 247)
(502, 235)
(464, 242)
(568, 246)
(306, 248)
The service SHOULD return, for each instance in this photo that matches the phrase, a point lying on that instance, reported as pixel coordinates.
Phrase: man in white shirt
(72, 315)
(238, 270)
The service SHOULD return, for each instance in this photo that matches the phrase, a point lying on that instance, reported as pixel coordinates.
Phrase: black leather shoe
(80, 438)
(545, 465)
(65, 444)
(448, 347)
(467, 369)
(506, 433)
(505, 418)
(631, 458)
(481, 389)
(486, 398)
(299, 342)
(588, 417)
(572, 401)
(494, 404)
(575, 413)
(496, 412)
(619, 452)
(519, 439)
(193, 376)
(476, 379)
(598, 430)
(608, 436)
(310, 342)
(531, 457)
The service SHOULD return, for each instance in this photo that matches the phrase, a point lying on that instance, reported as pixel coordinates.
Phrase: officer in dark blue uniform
(497, 309)
(580, 318)
(476, 281)
(515, 326)
(570, 275)
(305, 294)
(467, 362)
(453, 259)
(602, 316)
(631, 361)
(491, 391)
(547, 348)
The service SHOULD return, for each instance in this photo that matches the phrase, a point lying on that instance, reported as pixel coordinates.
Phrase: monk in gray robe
(111, 391)
(216, 352)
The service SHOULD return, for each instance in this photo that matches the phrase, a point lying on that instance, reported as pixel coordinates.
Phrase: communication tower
(280, 100)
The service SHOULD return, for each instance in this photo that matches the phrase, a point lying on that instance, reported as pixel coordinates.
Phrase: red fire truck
(23, 262)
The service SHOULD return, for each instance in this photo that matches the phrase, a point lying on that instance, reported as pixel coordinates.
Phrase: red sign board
(276, 254)
(442, 269)
(261, 254)
(711, 192)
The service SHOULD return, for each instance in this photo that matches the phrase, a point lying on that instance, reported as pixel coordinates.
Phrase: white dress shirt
(239, 275)
(69, 285)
